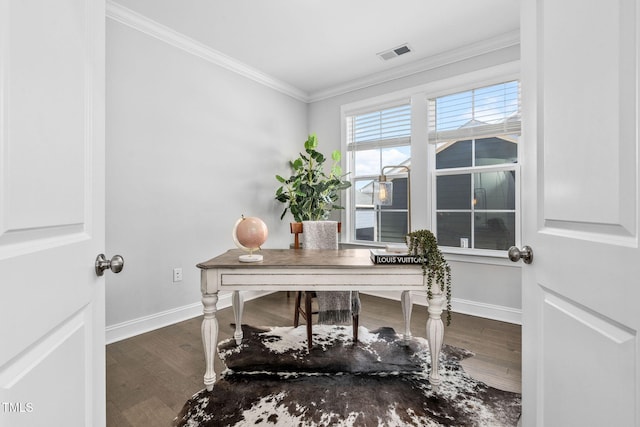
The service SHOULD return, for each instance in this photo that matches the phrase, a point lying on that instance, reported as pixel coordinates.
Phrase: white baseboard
(149, 323)
(472, 308)
(489, 311)
(145, 324)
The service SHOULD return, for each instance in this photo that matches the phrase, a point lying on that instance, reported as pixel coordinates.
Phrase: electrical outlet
(177, 275)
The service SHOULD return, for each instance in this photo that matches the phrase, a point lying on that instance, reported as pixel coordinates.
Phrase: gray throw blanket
(333, 306)
(337, 306)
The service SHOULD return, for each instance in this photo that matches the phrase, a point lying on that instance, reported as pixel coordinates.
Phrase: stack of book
(384, 256)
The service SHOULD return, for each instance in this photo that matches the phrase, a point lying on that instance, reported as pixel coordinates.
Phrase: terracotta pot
(296, 227)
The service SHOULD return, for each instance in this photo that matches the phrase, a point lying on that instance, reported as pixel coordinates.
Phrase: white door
(51, 213)
(581, 293)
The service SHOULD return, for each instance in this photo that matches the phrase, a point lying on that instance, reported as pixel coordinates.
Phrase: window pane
(380, 125)
(495, 190)
(452, 226)
(395, 156)
(370, 162)
(363, 189)
(393, 226)
(496, 151)
(395, 122)
(367, 162)
(487, 105)
(455, 155)
(496, 103)
(365, 224)
(454, 111)
(453, 192)
(494, 230)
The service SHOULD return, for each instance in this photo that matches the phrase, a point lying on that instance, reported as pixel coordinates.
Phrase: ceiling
(320, 46)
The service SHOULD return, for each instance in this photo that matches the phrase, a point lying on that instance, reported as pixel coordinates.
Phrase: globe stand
(250, 258)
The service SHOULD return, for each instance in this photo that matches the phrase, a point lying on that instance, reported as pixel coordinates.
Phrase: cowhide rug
(271, 379)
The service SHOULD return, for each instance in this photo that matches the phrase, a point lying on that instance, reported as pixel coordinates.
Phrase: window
(460, 138)
(376, 139)
(476, 134)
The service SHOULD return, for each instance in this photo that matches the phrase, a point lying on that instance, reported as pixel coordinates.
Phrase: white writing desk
(306, 270)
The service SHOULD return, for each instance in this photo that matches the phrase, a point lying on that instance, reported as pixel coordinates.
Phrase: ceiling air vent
(396, 51)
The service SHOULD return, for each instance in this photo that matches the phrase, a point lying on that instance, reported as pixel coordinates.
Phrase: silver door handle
(115, 264)
(526, 254)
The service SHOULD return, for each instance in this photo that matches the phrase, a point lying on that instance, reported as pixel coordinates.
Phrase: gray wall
(190, 147)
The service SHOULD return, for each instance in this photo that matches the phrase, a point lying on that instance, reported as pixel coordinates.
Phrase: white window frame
(423, 154)
(350, 154)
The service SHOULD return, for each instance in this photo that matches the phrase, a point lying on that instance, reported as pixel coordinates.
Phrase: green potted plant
(423, 244)
(311, 193)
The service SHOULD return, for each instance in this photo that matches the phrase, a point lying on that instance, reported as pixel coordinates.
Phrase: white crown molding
(154, 29)
(445, 58)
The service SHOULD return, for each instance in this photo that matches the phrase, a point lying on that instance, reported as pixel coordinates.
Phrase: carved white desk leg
(209, 337)
(435, 335)
(407, 307)
(238, 307)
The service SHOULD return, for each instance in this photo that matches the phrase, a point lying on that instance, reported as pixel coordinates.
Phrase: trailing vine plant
(423, 244)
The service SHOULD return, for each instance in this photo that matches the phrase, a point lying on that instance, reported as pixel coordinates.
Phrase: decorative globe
(249, 234)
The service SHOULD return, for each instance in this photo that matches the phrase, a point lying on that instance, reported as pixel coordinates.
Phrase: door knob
(116, 264)
(526, 254)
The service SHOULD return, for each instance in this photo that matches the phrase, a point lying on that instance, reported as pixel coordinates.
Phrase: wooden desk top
(299, 258)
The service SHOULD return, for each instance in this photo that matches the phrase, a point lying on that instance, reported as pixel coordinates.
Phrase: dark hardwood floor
(150, 376)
